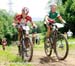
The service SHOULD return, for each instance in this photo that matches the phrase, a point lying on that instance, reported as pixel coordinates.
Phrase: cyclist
(50, 18)
(25, 18)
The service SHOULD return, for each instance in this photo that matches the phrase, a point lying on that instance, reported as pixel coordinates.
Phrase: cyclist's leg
(19, 38)
(34, 31)
(33, 37)
(48, 31)
(26, 39)
(19, 42)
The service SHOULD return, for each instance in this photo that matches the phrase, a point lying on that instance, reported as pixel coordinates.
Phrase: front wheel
(62, 47)
(47, 47)
(27, 51)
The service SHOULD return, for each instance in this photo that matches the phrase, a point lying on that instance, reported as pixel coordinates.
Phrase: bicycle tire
(46, 47)
(67, 47)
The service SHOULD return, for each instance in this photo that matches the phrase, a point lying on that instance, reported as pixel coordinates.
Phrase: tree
(6, 24)
(63, 1)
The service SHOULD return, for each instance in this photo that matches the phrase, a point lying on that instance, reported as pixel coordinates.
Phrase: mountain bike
(26, 47)
(57, 42)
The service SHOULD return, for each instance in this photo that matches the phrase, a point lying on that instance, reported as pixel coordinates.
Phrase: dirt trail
(40, 59)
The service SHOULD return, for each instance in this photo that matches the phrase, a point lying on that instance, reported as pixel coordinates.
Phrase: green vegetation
(5, 23)
(10, 57)
(6, 28)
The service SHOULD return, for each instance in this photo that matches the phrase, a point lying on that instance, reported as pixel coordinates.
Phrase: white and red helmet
(25, 9)
(53, 4)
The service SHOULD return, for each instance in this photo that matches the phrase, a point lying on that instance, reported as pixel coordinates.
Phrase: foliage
(63, 1)
(6, 28)
(68, 12)
(40, 27)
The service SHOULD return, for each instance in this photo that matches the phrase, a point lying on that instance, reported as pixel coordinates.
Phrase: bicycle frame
(54, 36)
(23, 36)
(23, 39)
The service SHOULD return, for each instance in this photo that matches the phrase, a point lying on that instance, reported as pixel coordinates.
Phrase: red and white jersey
(19, 18)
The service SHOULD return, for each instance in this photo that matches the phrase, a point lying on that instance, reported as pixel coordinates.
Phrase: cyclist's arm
(61, 19)
(46, 21)
(32, 23)
(15, 21)
(46, 18)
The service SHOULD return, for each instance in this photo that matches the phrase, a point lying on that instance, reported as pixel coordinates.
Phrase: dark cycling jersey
(53, 15)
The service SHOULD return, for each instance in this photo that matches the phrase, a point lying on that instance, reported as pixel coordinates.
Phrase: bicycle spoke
(48, 48)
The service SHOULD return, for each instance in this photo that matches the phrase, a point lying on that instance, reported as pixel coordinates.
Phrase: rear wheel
(62, 47)
(47, 47)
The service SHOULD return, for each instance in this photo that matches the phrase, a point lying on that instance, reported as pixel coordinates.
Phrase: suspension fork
(23, 40)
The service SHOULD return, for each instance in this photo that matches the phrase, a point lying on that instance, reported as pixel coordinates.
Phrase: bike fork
(23, 42)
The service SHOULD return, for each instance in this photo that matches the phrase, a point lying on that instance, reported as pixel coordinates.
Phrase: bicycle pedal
(48, 40)
(27, 49)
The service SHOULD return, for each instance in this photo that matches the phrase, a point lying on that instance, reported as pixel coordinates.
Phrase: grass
(71, 42)
(22, 64)
(15, 64)
(41, 46)
(9, 57)
(72, 46)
